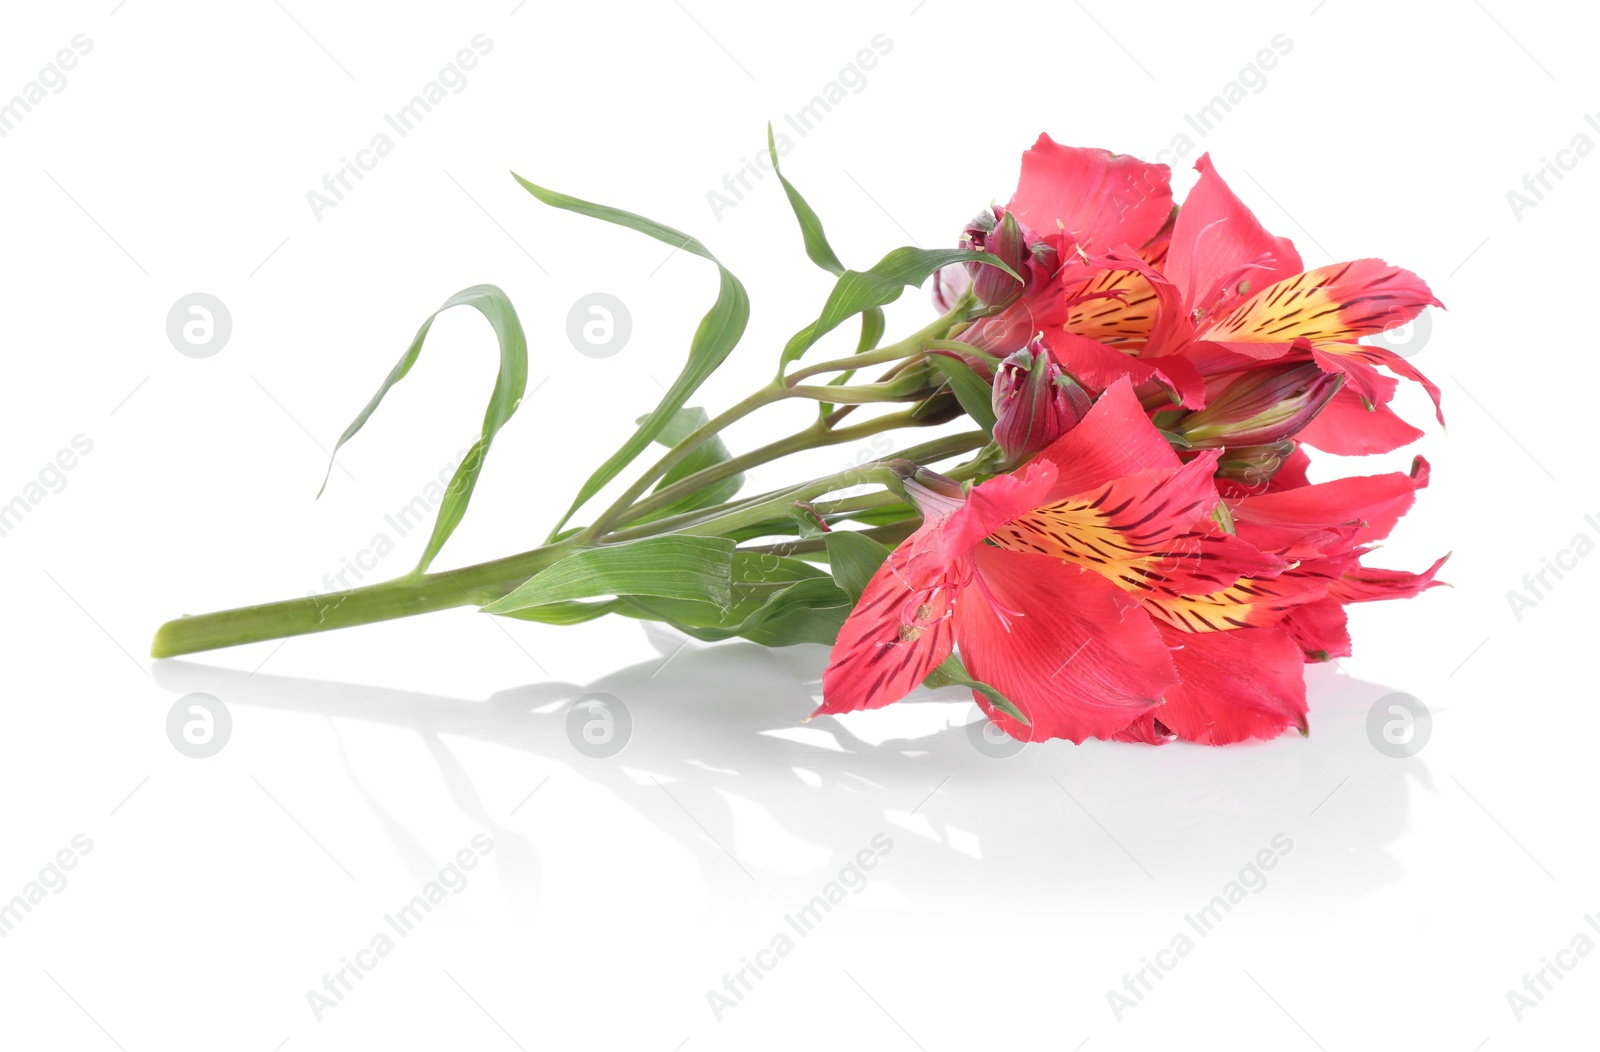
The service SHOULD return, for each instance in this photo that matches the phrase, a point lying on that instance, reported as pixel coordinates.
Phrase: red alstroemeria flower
(1062, 583)
(1227, 293)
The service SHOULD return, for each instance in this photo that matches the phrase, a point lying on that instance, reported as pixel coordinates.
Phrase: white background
(1018, 891)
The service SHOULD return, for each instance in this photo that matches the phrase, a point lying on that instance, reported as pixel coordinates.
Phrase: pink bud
(1035, 402)
(992, 285)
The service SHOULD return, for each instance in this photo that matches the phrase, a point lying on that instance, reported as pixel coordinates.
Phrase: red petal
(1375, 502)
(1330, 304)
(1066, 646)
(1346, 428)
(1146, 730)
(890, 642)
(1097, 367)
(1100, 198)
(1320, 629)
(1115, 439)
(1218, 242)
(1362, 584)
(1236, 685)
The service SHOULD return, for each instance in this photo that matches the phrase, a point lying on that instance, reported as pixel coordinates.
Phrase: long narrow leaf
(494, 305)
(719, 332)
(822, 254)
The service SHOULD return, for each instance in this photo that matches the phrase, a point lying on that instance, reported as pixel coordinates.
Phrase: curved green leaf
(821, 253)
(509, 385)
(719, 332)
(817, 248)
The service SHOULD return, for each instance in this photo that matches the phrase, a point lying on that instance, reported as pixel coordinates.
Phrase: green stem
(890, 535)
(484, 582)
(402, 597)
(765, 396)
(903, 349)
(816, 436)
(781, 499)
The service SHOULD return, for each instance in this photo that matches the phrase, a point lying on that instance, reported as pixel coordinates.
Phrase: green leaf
(773, 601)
(975, 396)
(821, 253)
(857, 291)
(817, 248)
(952, 673)
(706, 454)
(873, 323)
(508, 388)
(719, 332)
(806, 612)
(568, 613)
(855, 558)
(674, 567)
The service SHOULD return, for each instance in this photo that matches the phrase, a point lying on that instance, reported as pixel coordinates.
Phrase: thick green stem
(402, 597)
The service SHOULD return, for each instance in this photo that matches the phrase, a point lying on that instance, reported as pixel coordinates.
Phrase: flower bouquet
(1122, 542)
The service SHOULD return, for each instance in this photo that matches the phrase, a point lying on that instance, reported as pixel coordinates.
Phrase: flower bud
(1015, 246)
(1261, 407)
(1035, 402)
(1253, 466)
(992, 285)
